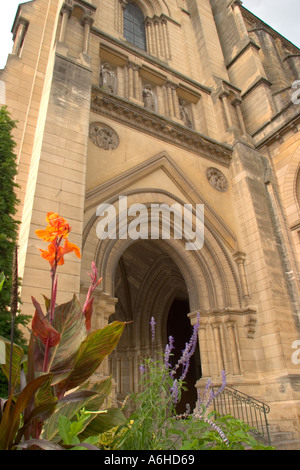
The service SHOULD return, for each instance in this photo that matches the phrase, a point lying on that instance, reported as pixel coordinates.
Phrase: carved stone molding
(103, 136)
(141, 119)
(217, 179)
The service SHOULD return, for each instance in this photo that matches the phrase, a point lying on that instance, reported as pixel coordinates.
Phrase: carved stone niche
(103, 136)
(217, 179)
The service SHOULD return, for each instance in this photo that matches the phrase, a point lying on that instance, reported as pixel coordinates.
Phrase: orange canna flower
(69, 248)
(56, 230)
(53, 253)
(58, 252)
(57, 227)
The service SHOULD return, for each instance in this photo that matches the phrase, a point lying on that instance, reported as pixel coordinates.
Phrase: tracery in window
(134, 26)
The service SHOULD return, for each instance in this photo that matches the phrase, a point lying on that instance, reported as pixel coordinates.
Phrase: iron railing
(241, 406)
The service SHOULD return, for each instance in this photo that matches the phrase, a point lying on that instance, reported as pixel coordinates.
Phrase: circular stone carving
(103, 136)
(217, 179)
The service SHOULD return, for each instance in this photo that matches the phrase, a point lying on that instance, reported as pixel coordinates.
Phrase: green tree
(8, 204)
(8, 229)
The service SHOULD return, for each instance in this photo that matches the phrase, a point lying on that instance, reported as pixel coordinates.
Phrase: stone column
(130, 80)
(218, 345)
(149, 39)
(87, 22)
(157, 38)
(134, 84)
(172, 101)
(239, 20)
(166, 39)
(61, 46)
(119, 17)
(66, 12)
(19, 36)
(239, 258)
(226, 105)
(236, 369)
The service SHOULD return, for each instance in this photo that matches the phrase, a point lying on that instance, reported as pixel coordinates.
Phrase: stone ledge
(141, 119)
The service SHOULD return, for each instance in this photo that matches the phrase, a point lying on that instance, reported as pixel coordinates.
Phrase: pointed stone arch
(151, 8)
(209, 279)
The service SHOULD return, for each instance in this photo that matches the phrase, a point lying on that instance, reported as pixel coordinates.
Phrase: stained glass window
(134, 27)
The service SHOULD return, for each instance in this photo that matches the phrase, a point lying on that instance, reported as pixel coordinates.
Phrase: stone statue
(184, 114)
(148, 97)
(107, 78)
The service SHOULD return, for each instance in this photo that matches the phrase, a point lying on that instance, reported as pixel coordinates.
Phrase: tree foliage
(8, 229)
(8, 203)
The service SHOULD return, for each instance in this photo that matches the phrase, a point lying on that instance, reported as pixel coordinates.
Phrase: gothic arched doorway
(149, 283)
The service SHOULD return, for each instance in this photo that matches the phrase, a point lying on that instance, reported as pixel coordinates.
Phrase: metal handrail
(248, 409)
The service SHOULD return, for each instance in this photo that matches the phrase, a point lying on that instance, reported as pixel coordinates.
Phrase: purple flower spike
(189, 350)
(152, 324)
(168, 350)
(175, 392)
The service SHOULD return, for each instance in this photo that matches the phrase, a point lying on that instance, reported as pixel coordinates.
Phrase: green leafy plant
(150, 425)
(63, 354)
(69, 430)
(216, 432)
(154, 425)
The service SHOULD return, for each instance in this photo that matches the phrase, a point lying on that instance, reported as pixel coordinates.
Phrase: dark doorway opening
(179, 326)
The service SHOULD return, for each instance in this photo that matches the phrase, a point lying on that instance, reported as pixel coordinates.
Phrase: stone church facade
(167, 103)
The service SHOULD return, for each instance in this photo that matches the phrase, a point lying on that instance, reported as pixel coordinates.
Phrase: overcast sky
(282, 15)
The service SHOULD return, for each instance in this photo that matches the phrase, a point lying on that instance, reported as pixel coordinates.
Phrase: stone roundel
(103, 136)
(217, 179)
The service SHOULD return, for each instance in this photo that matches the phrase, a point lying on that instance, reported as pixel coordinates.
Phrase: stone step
(279, 436)
(288, 445)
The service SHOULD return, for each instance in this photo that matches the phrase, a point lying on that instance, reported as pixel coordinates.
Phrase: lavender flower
(189, 350)
(175, 392)
(142, 369)
(209, 393)
(152, 324)
(168, 350)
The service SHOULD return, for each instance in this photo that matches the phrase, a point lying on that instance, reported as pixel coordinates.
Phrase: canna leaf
(104, 422)
(42, 443)
(18, 359)
(70, 323)
(94, 402)
(98, 345)
(12, 413)
(42, 328)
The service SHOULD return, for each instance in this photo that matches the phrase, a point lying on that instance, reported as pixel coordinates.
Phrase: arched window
(134, 26)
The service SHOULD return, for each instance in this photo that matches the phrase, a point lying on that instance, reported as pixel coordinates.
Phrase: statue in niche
(103, 136)
(148, 97)
(217, 179)
(184, 113)
(108, 78)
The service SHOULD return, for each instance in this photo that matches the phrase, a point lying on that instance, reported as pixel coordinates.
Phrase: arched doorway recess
(148, 283)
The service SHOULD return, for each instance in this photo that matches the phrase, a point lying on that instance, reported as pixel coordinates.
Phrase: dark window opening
(134, 26)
